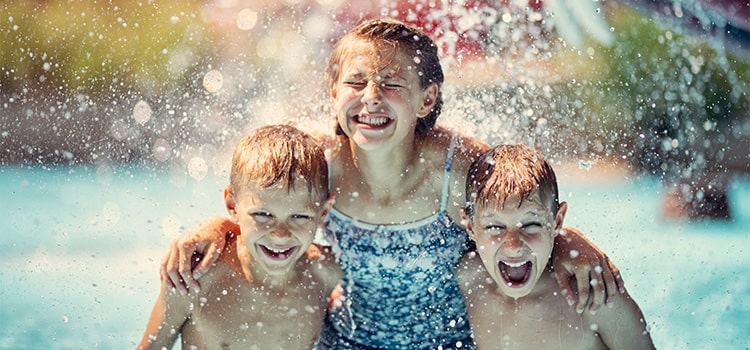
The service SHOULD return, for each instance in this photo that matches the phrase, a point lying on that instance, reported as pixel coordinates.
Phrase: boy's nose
(512, 245)
(281, 231)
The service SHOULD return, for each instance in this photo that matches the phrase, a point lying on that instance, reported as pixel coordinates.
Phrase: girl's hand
(194, 253)
(575, 257)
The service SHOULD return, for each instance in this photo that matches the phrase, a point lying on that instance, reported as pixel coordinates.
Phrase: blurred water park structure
(658, 87)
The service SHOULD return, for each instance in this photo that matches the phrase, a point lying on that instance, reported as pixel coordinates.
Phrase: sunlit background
(117, 120)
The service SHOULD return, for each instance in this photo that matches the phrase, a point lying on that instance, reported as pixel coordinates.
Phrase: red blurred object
(465, 22)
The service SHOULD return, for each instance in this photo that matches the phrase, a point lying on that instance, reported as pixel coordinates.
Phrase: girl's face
(379, 103)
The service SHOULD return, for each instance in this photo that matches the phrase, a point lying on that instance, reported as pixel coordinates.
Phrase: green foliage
(94, 47)
(661, 73)
(682, 93)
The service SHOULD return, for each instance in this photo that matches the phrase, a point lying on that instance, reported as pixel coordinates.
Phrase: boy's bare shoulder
(470, 270)
(322, 265)
(228, 264)
(622, 324)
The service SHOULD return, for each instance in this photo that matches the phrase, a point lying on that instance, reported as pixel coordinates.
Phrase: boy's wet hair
(509, 170)
(388, 35)
(280, 155)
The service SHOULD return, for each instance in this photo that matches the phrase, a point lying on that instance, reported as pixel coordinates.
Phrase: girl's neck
(385, 168)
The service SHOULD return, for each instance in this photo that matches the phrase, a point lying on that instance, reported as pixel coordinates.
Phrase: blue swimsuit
(399, 291)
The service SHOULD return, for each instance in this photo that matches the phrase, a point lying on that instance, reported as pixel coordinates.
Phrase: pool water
(81, 248)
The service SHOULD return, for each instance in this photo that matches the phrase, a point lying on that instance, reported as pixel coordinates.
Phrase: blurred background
(117, 121)
(659, 87)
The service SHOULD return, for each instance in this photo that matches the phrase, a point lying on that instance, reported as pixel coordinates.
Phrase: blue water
(81, 248)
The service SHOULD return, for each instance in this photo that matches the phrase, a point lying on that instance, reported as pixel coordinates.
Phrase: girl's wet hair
(280, 155)
(386, 34)
(509, 170)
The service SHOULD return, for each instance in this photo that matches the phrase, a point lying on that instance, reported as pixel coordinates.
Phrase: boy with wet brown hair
(513, 214)
(270, 286)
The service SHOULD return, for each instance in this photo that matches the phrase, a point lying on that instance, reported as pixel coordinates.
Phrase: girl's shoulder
(465, 146)
(465, 150)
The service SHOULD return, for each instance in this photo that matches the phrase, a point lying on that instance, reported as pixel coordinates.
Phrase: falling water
(127, 112)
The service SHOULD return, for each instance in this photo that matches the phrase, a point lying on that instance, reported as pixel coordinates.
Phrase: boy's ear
(230, 203)
(428, 100)
(560, 216)
(466, 220)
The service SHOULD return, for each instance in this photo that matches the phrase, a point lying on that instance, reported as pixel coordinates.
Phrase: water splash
(603, 83)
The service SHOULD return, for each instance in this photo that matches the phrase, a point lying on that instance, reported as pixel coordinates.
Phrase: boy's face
(277, 225)
(515, 242)
(375, 103)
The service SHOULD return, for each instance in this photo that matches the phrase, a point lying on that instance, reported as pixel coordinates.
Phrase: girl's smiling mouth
(372, 121)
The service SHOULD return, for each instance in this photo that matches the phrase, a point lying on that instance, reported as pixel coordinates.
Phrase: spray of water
(166, 85)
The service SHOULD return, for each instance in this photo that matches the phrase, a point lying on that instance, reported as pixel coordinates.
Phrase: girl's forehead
(373, 61)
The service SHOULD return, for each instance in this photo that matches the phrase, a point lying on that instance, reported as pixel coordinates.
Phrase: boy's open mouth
(515, 274)
(277, 253)
(372, 120)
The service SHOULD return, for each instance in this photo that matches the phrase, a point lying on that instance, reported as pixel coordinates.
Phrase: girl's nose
(371, 94)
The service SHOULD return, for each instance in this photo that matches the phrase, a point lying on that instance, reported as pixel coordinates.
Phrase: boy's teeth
(517, 264)
(277, 250)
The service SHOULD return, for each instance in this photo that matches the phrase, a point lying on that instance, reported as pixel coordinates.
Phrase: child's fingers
(169, 270)
(563, 280)
(185, 263)
(209, 259)
(617, 276)
(612, 282)
(584, 290)
(163, 275)
(599, 288)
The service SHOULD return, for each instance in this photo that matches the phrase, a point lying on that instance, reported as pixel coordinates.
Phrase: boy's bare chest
(550, 324)
(248, 319)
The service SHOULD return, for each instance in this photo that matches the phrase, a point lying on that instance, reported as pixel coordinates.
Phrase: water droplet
(246, 19)
(197, 168)
(142, 112)
(213, 81)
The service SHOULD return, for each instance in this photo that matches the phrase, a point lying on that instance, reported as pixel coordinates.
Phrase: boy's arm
(623, 325)
(575, 256)
(167, 317)
(194, 253)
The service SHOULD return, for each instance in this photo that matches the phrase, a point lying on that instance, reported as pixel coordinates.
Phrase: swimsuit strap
(447, 176)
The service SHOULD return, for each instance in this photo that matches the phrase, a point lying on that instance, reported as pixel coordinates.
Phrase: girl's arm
(575, 257)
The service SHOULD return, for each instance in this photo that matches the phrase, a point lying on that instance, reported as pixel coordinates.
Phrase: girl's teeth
(372, 120)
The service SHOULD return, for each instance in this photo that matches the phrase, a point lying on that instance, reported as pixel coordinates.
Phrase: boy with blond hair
(270, 286)
(513, 215)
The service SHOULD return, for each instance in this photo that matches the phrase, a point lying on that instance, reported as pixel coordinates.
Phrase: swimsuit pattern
(399, 289)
